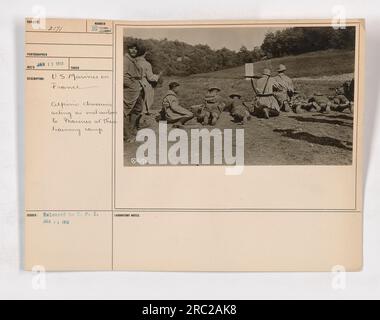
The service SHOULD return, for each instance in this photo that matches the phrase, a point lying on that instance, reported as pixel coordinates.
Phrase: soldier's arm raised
(150, 75)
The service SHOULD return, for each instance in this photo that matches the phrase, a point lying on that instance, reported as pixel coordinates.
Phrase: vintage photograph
(238, 95)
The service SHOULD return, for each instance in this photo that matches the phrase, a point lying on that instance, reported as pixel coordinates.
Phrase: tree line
(181, 59)
(299, 40)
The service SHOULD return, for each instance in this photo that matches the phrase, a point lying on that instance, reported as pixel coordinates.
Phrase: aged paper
(119, 175)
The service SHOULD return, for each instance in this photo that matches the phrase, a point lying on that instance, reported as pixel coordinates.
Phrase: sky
(230, 37)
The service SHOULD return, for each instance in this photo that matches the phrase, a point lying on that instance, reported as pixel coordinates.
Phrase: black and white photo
(288, 90)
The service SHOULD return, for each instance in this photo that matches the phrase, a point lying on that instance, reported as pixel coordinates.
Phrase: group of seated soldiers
(272, 96)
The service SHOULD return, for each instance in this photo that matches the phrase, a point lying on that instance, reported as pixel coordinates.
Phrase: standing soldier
(173, 112)
(149, 79)
(283, 89)
(266, 103)
(133, 90)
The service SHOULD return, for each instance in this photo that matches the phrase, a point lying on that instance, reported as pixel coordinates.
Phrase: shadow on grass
(325, 121)
(339, 116)
(324, 141)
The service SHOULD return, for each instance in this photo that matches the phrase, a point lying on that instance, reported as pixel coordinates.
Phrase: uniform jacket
(320, 99)
(132, 73)
(264, 86)
(265, 97)
(172, 108)
(283, 83)
(148, 77)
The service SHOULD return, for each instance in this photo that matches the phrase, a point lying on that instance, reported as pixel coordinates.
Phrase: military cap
(214, 88)
(266, 72)
(173, 84)
(281, 68)
(234, 94)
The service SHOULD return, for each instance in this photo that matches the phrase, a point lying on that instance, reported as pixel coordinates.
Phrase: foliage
(293, 41)
(176, 58)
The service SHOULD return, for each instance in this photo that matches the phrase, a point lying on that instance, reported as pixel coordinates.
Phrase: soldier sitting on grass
(238, 109)
(340, 101)
(172, 111)
(266, 104)
(299, 103)
(283, 88)
(209, 112)
(320, 102)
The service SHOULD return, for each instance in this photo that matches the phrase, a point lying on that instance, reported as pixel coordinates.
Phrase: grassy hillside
(309, 138)
(314, 64)
(324, 64)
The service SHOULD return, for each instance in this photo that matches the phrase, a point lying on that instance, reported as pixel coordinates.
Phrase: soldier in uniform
(320, 102)
(173, 112)
(283, 88)
(212, 108)
(349, 89)
(340, 101)
(299, 103)
(149, 79)
(133, 90)
(266, 104)
(238, 109)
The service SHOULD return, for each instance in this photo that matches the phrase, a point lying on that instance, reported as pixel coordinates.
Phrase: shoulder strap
(265, 87)
(253, 86)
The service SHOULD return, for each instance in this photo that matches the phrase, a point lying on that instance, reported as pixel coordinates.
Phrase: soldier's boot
(214, 118)
(287, 107)
(298, 109)
(131, 127)
(206, 119)
(347, 106)
(245, 120)
(317, 107)
(274, 112)
(328, 108)
(266, 113)
(187, 119)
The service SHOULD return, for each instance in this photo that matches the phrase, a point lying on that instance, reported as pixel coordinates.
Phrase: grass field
(291, 139)
(313, 64)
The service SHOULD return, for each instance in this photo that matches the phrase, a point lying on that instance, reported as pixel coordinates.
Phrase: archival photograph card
(193, 146)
